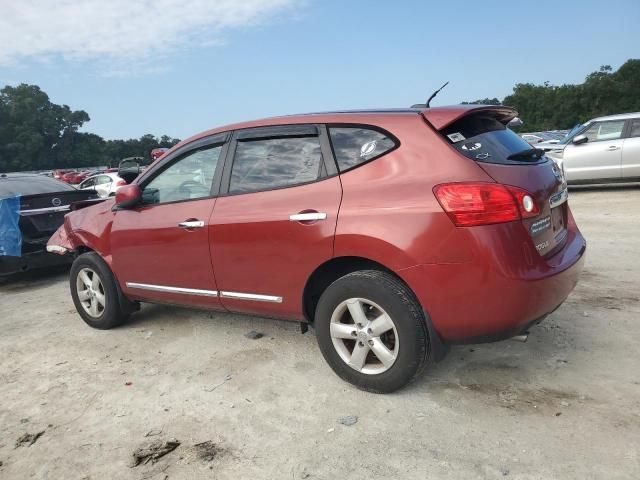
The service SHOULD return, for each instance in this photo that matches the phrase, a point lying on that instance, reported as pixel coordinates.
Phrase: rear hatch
(482, 136)
(42, 214)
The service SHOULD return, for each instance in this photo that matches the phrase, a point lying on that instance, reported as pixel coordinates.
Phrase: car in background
(537, 138)
(32, 208)
(396, 233)
(59, 173)
(156, 153)
(73, 178)
(104, 184)
(531, 138)
(603, 150)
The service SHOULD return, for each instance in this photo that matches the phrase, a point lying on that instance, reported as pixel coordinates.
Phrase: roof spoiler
(442, 117)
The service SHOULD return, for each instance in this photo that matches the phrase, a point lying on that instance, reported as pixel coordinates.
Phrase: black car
(32, 207)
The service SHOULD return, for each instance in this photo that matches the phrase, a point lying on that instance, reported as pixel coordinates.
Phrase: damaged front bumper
(60, 243)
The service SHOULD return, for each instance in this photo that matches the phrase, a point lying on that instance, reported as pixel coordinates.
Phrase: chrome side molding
(37, 211)
(251, 296)
(162, 288)
(205, 293)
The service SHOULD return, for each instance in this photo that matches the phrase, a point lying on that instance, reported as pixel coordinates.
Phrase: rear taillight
(120, 183)
(469, 204)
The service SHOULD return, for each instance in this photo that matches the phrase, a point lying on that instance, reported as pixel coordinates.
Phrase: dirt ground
(564, 405)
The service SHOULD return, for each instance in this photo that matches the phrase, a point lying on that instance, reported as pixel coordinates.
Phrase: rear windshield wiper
(534, 153)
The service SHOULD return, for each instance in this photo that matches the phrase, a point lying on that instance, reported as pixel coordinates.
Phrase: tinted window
(265, 164)
(601, 131)
(353, 146)
(188, 178)
(89, 182)
(483, 138)
(635, 128)
(26, 184)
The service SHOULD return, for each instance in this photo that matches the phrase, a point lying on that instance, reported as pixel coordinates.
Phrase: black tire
(397, 300)
(112, 313)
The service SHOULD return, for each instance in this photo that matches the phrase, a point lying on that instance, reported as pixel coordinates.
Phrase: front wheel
(95, 292)
(372, 331)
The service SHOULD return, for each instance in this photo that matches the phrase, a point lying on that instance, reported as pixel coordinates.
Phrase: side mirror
(127, 196)
(579, 139)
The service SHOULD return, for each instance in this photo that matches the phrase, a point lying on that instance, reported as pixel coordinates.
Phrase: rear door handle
(189, 224)
(613, 147)
(306, 217)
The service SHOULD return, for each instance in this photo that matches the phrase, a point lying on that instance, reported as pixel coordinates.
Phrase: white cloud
(121, 30)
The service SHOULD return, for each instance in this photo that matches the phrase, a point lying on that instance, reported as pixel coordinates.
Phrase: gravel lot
(566, 404)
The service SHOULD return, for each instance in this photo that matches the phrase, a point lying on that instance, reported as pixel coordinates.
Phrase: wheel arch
(328, 272)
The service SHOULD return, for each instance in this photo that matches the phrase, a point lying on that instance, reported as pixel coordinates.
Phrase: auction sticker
(456, 137)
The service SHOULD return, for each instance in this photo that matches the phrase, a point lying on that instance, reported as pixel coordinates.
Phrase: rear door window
(484, 138)
(353, 146)
(277, 161)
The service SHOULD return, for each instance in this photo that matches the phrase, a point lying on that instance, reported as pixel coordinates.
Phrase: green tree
(483, 101)
(604, 92)
(36, 134)
(32, 127)
(547, 106)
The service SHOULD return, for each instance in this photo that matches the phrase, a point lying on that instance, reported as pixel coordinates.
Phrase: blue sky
(181, 69)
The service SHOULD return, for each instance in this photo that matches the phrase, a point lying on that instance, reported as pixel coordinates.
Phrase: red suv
(394, 233)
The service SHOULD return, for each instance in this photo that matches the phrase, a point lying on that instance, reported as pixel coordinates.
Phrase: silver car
(605, 149)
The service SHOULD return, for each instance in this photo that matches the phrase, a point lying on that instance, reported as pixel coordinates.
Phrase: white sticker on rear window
(456, 137)
(368, 148)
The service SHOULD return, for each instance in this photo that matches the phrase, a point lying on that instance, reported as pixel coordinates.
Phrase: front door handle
(189, 224)
(307, 217)
(613, 148)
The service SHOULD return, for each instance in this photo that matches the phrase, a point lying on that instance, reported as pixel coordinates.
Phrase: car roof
(12, 184)
(438, 117)
(621, 116)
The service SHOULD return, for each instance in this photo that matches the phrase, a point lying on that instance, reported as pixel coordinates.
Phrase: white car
(105, 184)
(605, 149)
(531, 139)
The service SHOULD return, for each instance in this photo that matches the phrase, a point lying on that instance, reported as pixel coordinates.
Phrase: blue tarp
(10, 236)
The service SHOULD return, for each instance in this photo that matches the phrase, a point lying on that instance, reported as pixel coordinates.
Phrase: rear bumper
(503, 290)
(30, 261)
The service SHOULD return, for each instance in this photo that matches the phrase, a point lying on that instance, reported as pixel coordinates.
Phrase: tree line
(550, 107)
(37, 134)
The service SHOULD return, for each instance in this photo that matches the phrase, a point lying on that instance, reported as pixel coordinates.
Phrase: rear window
(483, 138)
(26, 184)
(353, 146)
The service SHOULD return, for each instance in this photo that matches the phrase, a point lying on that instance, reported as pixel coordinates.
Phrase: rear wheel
(372, 331)
(95, 292)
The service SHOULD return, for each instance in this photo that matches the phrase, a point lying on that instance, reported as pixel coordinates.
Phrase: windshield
(573, 132)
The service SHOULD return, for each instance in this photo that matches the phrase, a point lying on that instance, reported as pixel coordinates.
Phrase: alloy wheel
(364, 336)
(90, 292)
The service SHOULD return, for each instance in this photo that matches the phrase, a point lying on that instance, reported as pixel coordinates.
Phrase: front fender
(60, 243)
(89, 227)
